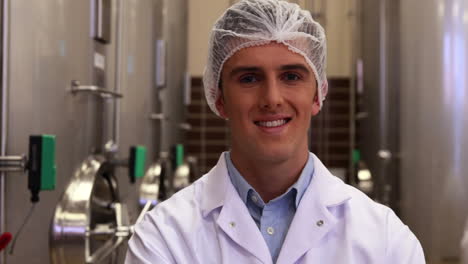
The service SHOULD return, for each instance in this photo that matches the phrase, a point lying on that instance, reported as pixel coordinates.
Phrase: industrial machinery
(90, 222)
(44, 46)
(415, 134)
(41, 167)
(87, 73)
(169, 172)
(40, 164)
(167, 176)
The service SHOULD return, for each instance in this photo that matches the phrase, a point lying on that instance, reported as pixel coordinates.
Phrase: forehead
(265, 56)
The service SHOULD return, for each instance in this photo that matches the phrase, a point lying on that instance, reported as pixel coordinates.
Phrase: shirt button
(270, 230)
(320, 223)
(254, 199)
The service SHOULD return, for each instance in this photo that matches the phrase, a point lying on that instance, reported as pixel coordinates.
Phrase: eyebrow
(300, 67)
(240, 69)
(286, 67)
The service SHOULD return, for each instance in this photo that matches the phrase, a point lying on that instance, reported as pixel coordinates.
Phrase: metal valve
(40, 164)
(76, 87)
(122, 231)
(135, 162)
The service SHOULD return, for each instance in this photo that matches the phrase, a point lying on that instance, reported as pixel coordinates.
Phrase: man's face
(269, 96)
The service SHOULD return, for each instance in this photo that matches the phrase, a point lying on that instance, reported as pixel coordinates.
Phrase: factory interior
(103, 116)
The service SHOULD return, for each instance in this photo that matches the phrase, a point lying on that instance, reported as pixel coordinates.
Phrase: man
(269, 200)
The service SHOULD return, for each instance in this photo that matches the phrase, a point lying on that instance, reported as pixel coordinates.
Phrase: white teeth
(275, 123)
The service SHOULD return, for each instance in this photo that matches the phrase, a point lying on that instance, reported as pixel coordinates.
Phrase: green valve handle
(136, 164)
(42, 167)
(356, 156)
(179, 155)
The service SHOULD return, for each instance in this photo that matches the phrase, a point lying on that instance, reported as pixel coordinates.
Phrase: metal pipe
(76, 87)
(12, 163)
(355, 79)
(117, 75)
(383, 102)
(4, 108)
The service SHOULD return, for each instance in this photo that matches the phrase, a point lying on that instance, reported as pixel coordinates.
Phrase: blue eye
(291, 77)
(248, 79)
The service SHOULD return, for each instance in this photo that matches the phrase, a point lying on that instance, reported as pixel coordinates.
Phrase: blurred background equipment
(394, 123)
(106, 75)
(90, 73)
(91, 222)
(415, 135)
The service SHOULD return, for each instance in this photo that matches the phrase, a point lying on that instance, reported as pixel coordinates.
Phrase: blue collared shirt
(273, 218)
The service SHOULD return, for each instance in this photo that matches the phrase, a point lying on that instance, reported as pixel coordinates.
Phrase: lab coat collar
(236, 221)
(216, 181)
(234, 218)
(313, 219)
(332, 191)
(311, 223)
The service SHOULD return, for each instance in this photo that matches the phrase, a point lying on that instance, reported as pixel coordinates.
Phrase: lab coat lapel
(313, 220)
(236, 222)
(234, 218)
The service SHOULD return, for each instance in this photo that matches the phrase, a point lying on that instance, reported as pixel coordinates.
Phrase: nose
(271, 96)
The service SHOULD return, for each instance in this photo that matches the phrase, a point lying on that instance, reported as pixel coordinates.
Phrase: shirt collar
(216, 186)
(244, 188)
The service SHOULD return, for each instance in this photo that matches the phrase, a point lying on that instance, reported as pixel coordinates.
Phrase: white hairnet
(258, 22)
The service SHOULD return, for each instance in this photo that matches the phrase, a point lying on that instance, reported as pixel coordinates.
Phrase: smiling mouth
(273, 123)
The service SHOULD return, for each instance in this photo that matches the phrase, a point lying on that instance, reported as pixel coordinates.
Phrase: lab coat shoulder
(175, 230)
(193, 227)
(381, 226)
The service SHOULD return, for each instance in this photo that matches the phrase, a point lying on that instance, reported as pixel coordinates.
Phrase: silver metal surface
(4, 5)
(434, 124)
(121, 11)
(47, 45)
(90, 202)
(356, 84)
(159, 116)
(13, 163)
(106, 70)
(181, 177)
(141, 25)
(171, 96)
(424, 63)
(39, 63)
(150, 185)
(90, 224)
(157, 184)
(161, 62)
(145, 209)
(379, 97)
(76, 87)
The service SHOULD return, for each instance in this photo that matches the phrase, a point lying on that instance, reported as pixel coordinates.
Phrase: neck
(270, 178)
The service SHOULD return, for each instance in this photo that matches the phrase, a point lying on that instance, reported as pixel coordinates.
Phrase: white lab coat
(335, 223)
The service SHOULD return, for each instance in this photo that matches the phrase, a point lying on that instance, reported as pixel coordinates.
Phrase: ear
(315, 105)
(220, 107)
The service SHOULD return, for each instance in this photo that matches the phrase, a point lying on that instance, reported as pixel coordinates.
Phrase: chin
(277, 153)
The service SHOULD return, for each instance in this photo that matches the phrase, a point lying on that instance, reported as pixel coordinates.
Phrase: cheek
(304, 104)
(239, 102)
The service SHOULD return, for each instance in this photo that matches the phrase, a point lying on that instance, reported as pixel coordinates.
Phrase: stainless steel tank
(416, 60)
(141, 27)
(130, 71)
(47, 45)
(173, 93)
(434, 123)
(378, 99)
